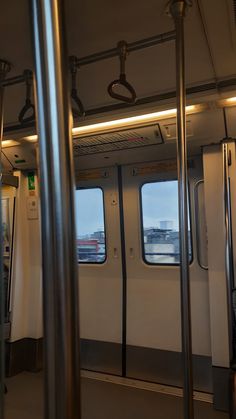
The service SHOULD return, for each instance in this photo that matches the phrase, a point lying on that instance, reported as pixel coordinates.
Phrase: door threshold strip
(144, 385)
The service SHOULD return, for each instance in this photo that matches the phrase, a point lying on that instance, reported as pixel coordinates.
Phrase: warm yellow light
(32, 138)
(127, 122)
(9, 143)
(124, 122)
(231, 100)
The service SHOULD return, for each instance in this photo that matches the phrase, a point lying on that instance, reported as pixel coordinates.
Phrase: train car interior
(118, 209)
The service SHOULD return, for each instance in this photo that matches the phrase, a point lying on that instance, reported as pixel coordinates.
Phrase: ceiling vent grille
(118, 141)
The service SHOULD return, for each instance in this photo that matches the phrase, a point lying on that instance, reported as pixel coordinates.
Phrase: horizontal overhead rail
(133, 46)
(208, 87)
(103, 55)
(13, 80)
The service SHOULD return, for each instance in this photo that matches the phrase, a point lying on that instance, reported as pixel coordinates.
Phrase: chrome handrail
(60, 272)
(178, 10)
(196, 208)
(229, 264)
(4, 69)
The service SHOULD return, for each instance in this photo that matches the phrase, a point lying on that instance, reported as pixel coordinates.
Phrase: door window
(90, 227)
(160, 222)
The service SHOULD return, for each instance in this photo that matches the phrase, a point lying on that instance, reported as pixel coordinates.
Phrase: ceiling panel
(221, 31)
(98, 25)
(15, 39)
(206, 128)
(231, 121)
(93, 26)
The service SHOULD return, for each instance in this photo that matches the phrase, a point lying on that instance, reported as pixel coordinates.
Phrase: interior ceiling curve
(94, 26)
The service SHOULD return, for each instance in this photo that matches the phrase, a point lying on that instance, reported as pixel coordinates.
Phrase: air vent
(117, 141)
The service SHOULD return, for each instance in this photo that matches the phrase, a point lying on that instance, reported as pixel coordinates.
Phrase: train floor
(104, 398)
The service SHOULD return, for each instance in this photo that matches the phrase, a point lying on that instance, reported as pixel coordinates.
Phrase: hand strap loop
(131, 96)
(28, 107)
(78, 110)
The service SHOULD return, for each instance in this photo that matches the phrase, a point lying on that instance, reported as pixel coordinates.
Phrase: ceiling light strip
(122, 123)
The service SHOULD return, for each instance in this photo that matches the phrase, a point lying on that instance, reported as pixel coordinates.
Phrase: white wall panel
(213, 176)
(26, 296)
(153, 292)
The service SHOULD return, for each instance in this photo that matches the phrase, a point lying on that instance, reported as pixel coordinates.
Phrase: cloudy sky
(89, 211)
(159, 201)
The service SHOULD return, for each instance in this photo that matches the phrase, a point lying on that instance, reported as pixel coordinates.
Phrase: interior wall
(26, 292)
(154, 291)
(213, 187)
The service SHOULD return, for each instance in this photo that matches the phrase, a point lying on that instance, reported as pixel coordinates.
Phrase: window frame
(104, 223)
(142, 226)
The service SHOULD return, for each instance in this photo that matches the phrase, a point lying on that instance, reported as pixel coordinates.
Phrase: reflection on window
(160, 223)
(91, 247)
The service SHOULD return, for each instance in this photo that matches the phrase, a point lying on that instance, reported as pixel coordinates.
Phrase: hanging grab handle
(77, 111)
(131, 97)
(29, 106)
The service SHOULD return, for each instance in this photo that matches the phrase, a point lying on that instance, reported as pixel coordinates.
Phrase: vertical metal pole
(60, 277)
(229, 260)
(4, 68)
(124, 273)
(177, 9)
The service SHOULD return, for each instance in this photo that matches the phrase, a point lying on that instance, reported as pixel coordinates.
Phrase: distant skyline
(159, 203)
(89, 211)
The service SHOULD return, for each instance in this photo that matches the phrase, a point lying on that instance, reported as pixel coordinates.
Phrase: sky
(89, 211)
(159, 200)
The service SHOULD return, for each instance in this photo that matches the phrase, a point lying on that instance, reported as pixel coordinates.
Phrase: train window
(90, 225)
(160, 223)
